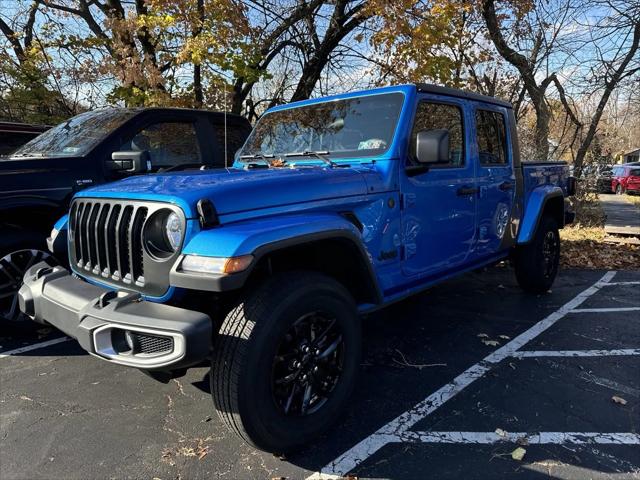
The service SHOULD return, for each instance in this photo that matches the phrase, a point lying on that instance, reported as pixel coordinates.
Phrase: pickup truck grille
(106, 243)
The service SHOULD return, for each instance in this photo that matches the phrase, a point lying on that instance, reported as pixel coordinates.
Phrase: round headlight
(173, 230)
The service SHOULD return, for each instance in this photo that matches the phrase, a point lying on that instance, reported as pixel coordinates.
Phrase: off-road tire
(533, 273)
(15, 247)
(245, 352)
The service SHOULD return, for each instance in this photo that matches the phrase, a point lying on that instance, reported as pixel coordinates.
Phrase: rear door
(633, 180)
(495, 179)
(438, 205)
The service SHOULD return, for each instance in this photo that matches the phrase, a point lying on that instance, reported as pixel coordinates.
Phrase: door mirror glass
(432, 146)
(129, 162)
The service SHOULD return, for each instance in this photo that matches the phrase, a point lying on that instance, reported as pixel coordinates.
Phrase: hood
(236, 190)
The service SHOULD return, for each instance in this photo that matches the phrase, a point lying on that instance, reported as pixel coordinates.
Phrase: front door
(438, 216)
(496, 181)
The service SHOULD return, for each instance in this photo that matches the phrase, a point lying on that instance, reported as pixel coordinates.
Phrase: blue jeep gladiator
(334, 207)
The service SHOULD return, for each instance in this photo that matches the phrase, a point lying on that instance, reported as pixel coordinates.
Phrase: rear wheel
(286, 360)
(619, 190)
(537, 263)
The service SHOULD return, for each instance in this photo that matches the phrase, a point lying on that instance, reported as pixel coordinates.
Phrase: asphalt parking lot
(453, 382)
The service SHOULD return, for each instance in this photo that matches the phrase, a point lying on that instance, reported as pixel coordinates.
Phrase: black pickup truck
(13, 135)
(38, 180)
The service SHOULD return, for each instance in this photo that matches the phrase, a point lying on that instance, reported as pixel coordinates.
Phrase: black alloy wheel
(13, 266)
(307, 365)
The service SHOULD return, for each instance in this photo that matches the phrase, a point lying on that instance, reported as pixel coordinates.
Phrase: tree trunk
(197, 68)
(610, 85)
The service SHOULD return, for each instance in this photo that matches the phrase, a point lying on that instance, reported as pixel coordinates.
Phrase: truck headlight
(215, 265)
(173, 230)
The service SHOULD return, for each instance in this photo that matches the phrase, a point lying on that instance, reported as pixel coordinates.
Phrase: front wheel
(15, 260)
(536, 263)
(286, 361)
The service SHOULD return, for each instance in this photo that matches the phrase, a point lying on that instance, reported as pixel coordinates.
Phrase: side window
(168, 143)
(491, 137)
(441, 116)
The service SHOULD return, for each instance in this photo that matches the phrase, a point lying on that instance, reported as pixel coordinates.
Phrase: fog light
(215, 265)
(131, 343)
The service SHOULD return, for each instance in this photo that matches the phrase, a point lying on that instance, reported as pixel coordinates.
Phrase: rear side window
(441, 116)
(168, 143)
(635, 172)
(491, 137)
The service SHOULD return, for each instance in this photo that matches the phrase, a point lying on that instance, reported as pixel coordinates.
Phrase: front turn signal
(215, 265)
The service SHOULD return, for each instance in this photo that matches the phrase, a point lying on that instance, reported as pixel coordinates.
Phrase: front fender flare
(534, 208)
(261, 236)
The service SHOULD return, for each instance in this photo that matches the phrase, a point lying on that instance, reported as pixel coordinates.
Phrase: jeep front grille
(106, 243)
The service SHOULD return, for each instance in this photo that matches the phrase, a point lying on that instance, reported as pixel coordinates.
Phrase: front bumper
(117, 326)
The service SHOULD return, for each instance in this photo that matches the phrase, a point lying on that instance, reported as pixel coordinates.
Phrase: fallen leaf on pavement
(24, 397)
(482, 335)
(491, 343)
(504, 337)
(500, 432)
(619, 400)
(518, 453)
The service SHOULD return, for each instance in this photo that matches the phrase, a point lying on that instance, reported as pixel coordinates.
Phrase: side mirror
(129, 162)
(432, 146)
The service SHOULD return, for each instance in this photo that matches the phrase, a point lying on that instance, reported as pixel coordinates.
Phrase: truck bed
(538, 174)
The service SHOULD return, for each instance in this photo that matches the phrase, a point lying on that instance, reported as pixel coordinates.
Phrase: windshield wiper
(322, 155)
(257, 156)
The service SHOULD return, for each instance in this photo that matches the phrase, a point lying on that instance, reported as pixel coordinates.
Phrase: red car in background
(626, 178)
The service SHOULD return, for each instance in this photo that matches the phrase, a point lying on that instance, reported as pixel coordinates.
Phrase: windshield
(354, 127)
(76, 136)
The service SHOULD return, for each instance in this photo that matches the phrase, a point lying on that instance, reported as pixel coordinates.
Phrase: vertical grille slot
(110, 240)
(123, 244)
(101, 244)
(84, 240)
(136, 254)
(91, 235)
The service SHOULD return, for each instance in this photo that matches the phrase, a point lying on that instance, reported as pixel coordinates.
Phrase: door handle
(464, 191)
(504, 186)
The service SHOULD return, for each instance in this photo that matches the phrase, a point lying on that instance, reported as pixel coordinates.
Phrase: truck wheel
(18, 252)
(536, 263)
(286, 360)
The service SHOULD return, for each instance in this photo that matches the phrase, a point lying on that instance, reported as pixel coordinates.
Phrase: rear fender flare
(534, 209)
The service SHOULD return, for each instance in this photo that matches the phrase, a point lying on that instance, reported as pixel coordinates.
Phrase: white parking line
(605, 310)
(614, 284)
(35, 346)
(400, 425)
(522, 437)
(576, 353)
